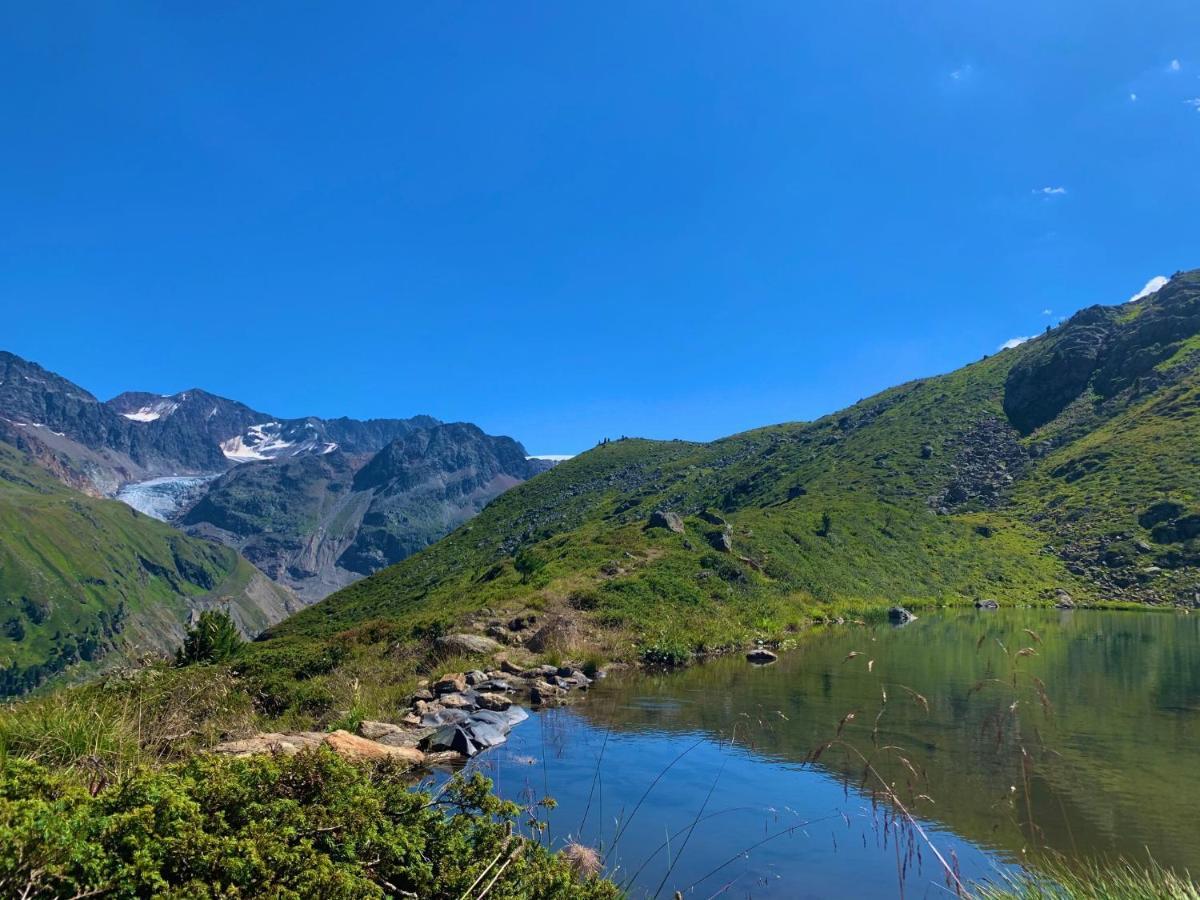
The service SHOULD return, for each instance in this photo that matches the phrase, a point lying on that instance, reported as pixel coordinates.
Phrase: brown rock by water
(351, 746)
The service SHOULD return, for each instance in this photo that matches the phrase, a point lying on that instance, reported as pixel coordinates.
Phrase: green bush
(311, 825)
(214, 638)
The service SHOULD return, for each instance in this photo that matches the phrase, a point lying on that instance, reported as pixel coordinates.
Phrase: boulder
(898, 615)
(541, 693)
(561, 634)
(495, 686)
(441, 717)
(457, 701)
(666, 519)
(422, 694)
(762, 655)
(522, 621)
(720, 540)
(986, 604)
(285, 743)
(374, 731)
(352, 746)
(466, 645)
(1063, 600)
(496, 702)
(711, 517)
(475, 677)
(451, 682)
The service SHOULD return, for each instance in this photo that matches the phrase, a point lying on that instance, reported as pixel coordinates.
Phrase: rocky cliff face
(317, 523)
(315, 502)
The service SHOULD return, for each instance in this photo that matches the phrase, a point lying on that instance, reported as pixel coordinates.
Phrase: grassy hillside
(1069, 463)
(83, 580)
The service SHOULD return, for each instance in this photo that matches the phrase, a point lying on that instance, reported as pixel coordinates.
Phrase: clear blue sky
(566, 220)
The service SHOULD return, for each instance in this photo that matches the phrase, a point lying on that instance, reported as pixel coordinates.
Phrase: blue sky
(566, 221)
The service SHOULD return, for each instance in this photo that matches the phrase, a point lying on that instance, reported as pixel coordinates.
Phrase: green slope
(1068, 463)
(84, 580)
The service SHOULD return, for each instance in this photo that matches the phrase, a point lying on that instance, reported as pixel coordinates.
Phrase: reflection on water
(1004, 732)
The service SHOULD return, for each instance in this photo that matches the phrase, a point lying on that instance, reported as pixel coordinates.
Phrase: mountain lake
(1004, 734)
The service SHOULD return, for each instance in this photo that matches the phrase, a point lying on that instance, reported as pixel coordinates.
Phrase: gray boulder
(466, 644)
(666, 519)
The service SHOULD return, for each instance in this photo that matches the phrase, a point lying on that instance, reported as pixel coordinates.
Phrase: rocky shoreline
(449, 720)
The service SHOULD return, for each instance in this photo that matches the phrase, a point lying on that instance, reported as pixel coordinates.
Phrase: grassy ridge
(927, 493)
(81, 577)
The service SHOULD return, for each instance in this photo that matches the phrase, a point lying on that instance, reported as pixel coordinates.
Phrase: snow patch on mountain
(153, 412)
(270, 440)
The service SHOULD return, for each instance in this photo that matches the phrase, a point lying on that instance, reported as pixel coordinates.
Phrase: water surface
(1004, 732)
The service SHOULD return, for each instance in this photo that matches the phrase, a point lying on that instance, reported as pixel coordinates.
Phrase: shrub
(311, 825)
(214, 638)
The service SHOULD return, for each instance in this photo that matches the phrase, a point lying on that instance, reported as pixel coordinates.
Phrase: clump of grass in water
(1059, 880)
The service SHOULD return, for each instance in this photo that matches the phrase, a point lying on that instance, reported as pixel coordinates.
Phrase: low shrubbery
(311, 825)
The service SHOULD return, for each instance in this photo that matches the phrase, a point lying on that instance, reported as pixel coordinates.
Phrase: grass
(1059, 879)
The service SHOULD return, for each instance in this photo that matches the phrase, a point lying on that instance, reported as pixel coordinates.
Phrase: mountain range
(1065, 470)
(313, 503)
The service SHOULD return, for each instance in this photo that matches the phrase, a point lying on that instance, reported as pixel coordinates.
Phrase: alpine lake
(880, 761)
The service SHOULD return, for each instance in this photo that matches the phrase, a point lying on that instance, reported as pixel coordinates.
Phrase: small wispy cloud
(1175, 65)
(1014, 342)
(1050, 191)
(1047, 312)
(1155, 284)
(1194, 103)
(1132, 97)
(961, 72)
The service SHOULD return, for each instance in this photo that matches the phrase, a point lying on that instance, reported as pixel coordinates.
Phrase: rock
(986, 604)
(454, 738)
(711, 518)
(505, 721)
(541, 693)
(353, 747)
(762, 655)
(374, 731)
(666, 519)
(496, 702)
(499, 633)
(898, 615)
(457, 701)
(451, 682)
(442, 717)
(1064, 600)
(720, 540)
(285, 743)
(423, 694)
(485, 736)
(444, 758)
(475, 677)
(406, 737)
(466, 645)
(926, 451)
(523, 621)
(495, 686)
(509, 668)
(561, 634)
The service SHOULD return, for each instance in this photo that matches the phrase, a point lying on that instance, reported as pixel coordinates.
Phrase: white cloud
(1015, 342)
(1049, 191)
(1133, 97)
(1176, 65)
(961, 72)
(1047, 312)
(1194, 103)
(1154, 284)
